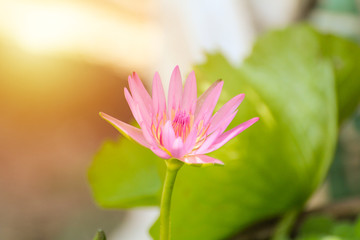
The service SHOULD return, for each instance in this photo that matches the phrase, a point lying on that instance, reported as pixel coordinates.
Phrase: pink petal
(177, 149)
(200, 159)
(126, 129)
(174, 145)
(143, 121)
(139, 93)
(214, 135)
(175, 92)
(158, 96)
(226, 110)
(226, 122)
(160, 152)
(190, 140)
(133, 106)
(208, 142)
(167, 135)
(138, 110)
(207, 102)
(227, 136)
(147, 133)
(188, 103)
(203, 96)
(150, 138)
(143, 137)
(221, 127)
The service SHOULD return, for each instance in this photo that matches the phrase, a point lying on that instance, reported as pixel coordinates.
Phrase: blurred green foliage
(325, 228)
(301, 85)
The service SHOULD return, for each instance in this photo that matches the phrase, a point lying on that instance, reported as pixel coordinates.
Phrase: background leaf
(124, 174)
(345, 58)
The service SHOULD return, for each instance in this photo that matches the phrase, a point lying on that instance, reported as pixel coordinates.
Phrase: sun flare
(46, 27)
(97, 32)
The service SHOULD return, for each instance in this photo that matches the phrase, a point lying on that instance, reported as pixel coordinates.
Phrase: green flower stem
(172, 168)
(100, 235)
(285, 225)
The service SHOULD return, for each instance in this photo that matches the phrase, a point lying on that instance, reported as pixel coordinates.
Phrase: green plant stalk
(172, 168)
(285, 225)
(100, 235)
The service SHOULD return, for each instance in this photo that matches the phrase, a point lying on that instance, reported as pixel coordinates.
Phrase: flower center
(182, 124)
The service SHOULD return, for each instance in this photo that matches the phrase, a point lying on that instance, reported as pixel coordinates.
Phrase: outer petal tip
(103, 115)
(175, 90)
(176, 72)
(127, 130)
(255, 119)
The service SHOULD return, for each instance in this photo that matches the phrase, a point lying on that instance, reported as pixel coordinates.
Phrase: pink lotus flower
(184, 127)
